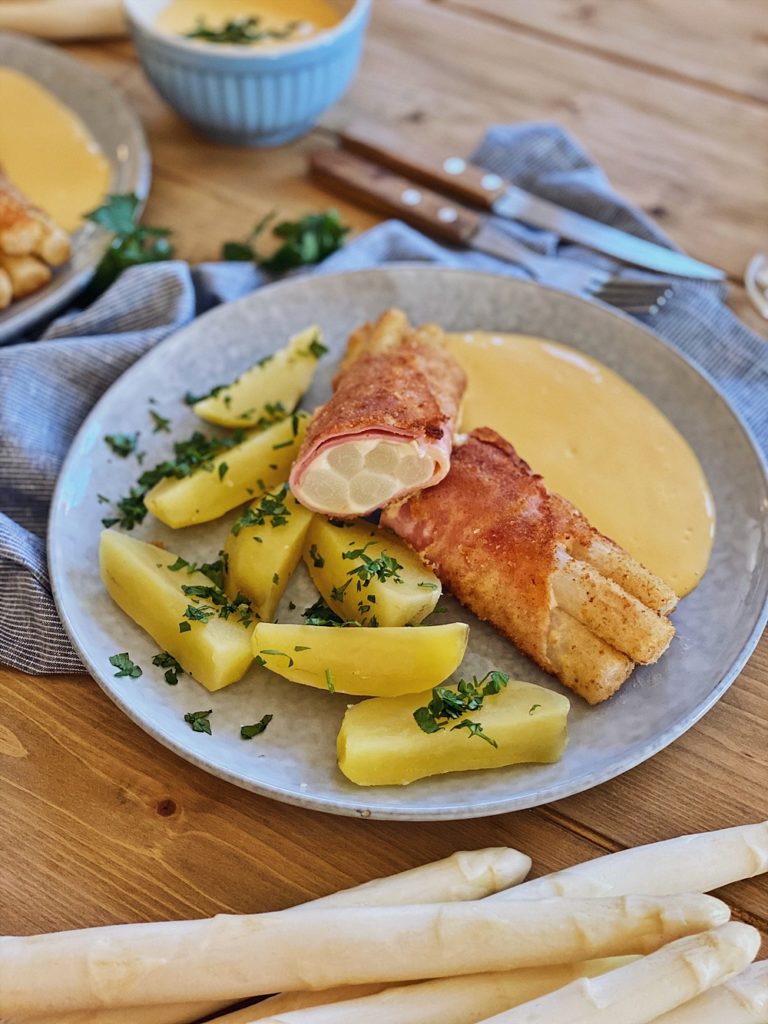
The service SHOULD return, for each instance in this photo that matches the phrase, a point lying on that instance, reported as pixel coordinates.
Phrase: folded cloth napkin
(48, 386)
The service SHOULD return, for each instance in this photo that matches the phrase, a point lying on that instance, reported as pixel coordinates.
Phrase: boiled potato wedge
(264, 547)
(382, 662)
(380, 744)
(270, 389)
(216, 652)
(231, 478)
(368, 575)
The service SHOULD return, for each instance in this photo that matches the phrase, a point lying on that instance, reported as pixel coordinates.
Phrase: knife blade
(454, 176)
(436, 215)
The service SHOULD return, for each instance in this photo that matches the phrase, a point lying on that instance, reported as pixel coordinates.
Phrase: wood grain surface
(101, 824)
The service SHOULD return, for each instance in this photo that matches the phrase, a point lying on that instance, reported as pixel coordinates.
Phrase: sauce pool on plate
(47, 151)
(597, 441)
(310, 17)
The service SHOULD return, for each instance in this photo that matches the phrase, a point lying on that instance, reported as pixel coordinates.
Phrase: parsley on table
(199, 720)
(305, 242)
(124, 666)
(172, 667)
(247, 732)
(448, 704)
(122, 444)
(161, 424)
(239, 31)
(132, 243)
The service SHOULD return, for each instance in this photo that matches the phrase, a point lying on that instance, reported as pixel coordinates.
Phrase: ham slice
(527, 561)
(388, 429)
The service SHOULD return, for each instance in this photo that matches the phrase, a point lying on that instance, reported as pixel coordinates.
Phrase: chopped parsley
(316, 349)
(223, 467)
(124, 666)
(329, 681)
(475, 729)
(426, 586)
(319, 614)
(197, 452)
(383, 568)
(185, 627)
(275, 578)
(337, 593)
(199, 720)
(240, 32)
(198, 612)
(271, 510)
(161, 424)
(317, 559)
(278, 654)
(122, 444)
(172, 668)
(448, 704)
(247, 732)
(272, 412)
(191, 399)
(534, 708)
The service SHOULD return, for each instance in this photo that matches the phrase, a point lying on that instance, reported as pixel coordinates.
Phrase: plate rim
(447, 812)
(55, 296)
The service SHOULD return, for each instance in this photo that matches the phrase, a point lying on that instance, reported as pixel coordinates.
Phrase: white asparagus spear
(461, 1000)
(742, 1000)
(696, 863)
(465, 875)
(230, 957)
(288, 1002)
(638, 993)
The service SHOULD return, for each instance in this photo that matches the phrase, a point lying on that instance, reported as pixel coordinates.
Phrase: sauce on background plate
(598, 442)
(46, 150)
(313, 16)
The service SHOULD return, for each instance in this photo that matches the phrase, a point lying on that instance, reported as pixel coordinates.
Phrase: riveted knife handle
(371, 185)
(452, 175)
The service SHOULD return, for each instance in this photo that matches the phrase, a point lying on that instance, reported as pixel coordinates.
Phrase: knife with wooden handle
(454, 176)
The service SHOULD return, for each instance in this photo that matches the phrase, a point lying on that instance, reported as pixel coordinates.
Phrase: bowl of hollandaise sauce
(249, 72)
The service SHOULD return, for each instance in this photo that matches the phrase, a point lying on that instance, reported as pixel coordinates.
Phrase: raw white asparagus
(231, 957)
(467, 875)
(742, 1000)
(640, 992)
(288, 1002)
(461, 1000)
(697, 863)
(464, 875)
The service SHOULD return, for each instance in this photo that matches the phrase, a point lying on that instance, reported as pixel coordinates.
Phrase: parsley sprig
(448, 704)
(382, 568)
(247, 732)
(305, 242)
(199, 721)
(132, 243)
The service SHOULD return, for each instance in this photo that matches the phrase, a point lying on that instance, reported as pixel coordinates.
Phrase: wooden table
(101, 824)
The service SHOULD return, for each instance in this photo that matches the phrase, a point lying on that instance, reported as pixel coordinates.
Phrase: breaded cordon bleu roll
(388, 428)
(28, 231)
(527, 561)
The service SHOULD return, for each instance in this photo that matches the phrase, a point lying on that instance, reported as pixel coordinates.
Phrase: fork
(367, 183)
(631, 294)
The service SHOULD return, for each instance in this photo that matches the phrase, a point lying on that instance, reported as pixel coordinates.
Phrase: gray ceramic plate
(718, 625)
(119, 133)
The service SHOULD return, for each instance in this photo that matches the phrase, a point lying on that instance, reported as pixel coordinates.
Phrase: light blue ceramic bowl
(245, 95)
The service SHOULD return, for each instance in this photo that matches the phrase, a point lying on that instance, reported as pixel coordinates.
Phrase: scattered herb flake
(317, 559)
(247, 732)
(316, 349)
(329, 681)
(132, 243)
(185, 627)
(172, 667)
(124, 666)
(271, 510)
(280, 654)
(534, 708)
(475, 729)
(122, 444)
(450, 703)
(239, 32)
(427, 586)
(199, 720)
(192, 399)
(161, 424)
(223, 467)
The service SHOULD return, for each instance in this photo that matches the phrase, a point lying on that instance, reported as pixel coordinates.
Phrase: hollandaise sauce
(274, 22)
(597, 441)
(47, 151)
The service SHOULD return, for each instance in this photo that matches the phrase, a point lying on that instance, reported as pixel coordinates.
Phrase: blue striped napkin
(48, 386)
